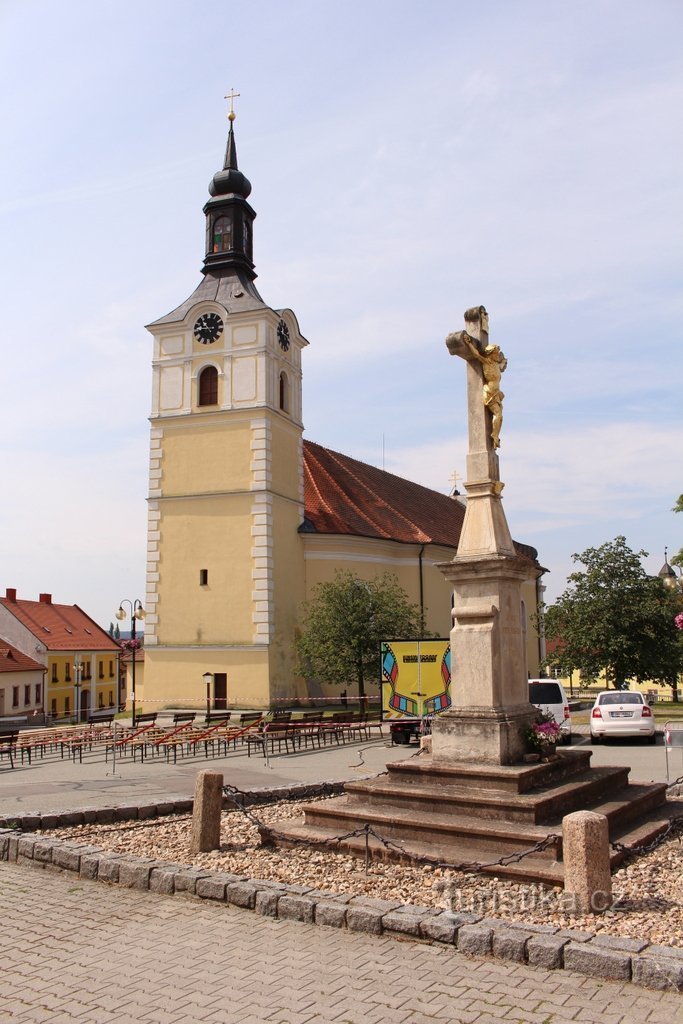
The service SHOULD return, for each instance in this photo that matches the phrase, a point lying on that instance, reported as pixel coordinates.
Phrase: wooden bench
(8, 745)
(148, 718)
(278, 731)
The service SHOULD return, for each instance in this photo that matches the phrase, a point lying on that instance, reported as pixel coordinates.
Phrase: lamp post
(137, 613)
(77, 686)
(673, 583)
(208, 679)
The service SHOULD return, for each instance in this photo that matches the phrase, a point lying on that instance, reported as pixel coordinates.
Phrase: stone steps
(541, 867)
(535, 807)
(498, 778)
(466, 813)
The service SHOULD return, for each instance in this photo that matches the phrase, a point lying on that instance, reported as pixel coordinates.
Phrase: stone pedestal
(490, 713)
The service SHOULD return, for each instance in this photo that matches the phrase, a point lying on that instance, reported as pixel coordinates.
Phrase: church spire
(229, 217)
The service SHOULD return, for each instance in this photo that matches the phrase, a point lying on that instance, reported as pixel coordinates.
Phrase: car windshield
(545, 693)
(620, 698)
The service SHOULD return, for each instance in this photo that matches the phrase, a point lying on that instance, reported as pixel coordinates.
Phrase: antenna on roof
(382, 450)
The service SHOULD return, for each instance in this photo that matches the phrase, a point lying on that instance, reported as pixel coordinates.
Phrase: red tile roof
(12, 660)
(345, 496)
(61, 627)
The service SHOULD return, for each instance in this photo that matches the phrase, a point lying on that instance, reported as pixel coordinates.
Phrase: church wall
(212, 533)
(181, 670)
(207, 455)
(369, 557)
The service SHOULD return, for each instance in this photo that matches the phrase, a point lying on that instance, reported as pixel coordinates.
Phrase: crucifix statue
(491, 360)
(490, 710)
(485, 529)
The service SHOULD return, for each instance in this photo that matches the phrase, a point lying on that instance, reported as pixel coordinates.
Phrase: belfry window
(222, 235)
(208, 386)
(284, 392)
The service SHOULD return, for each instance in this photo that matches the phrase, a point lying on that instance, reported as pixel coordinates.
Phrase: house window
(87, 670)
(15, 696)
(203, 577)
(222, 235)
(208, 386)
(54, 672)
(100, 700)
(67, 673)
(111, 698)
(111, 668)
(100, 670)
(67, 705)
(284, 392)
(53, 707)
(39, 693)
(27, 696)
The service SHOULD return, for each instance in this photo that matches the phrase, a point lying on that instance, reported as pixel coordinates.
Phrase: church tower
(225, 573)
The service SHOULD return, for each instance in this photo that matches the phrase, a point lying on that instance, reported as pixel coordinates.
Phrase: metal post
(132, 636)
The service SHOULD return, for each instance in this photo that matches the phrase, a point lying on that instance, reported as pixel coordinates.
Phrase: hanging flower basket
(131, 645)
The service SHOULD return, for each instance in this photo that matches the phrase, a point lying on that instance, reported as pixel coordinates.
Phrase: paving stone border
(550, 948)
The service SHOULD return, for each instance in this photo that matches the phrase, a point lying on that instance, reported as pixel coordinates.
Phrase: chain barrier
(674, 827)
(676, 782)
(269, 835)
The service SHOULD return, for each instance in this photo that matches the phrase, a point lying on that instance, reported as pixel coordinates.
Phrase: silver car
(621, 713)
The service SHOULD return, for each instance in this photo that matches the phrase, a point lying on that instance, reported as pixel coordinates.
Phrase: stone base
(482, 735)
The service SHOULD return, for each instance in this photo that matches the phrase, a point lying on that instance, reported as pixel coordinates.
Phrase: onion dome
(230, 181)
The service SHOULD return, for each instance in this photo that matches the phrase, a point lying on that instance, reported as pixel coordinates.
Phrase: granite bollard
(206, 813)
(585, 850)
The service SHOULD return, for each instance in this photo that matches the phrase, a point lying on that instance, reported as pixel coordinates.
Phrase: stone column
(491, 712)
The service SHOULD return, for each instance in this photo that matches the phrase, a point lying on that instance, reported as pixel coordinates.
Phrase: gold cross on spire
(454, 477)
(232, 95)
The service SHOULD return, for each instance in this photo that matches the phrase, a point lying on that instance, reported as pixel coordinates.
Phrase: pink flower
(679, 620)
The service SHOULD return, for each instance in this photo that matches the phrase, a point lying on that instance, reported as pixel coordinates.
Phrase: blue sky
(407, 162)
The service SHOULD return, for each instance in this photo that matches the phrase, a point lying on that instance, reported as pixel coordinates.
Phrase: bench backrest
(148, 718)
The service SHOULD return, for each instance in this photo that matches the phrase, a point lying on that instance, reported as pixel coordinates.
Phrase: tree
(678, 507)
(616, 618)
(345, 623)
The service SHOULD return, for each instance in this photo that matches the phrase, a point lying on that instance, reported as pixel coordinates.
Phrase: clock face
(283, 335)
(208, 328)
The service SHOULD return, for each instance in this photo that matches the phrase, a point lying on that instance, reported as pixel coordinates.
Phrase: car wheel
(566, 739)
(595, 739)
(652, 739)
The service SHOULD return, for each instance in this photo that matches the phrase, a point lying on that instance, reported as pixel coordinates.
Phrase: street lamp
(137, 613)
(208, 679)
(668, 575)
(77, 686)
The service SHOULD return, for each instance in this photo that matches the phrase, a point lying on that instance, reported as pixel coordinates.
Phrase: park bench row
(219, 732)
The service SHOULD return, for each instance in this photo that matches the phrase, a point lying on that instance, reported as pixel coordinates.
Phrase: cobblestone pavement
(78, 952)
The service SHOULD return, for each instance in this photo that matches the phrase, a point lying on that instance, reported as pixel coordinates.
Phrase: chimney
(11, 594)
(45, 598)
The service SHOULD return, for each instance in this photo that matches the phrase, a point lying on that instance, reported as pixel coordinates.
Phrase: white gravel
(647, 890)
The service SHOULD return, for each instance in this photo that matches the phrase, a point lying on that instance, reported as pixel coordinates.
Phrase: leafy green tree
(678, 507)
(345, 622)
(616, 618)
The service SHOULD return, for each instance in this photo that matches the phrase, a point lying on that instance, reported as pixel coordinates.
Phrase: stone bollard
(206, 812)
(585, 851)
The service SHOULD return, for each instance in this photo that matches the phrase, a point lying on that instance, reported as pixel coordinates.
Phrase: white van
(548, 695)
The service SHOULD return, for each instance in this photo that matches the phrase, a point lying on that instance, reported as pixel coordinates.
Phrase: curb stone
(602, 956)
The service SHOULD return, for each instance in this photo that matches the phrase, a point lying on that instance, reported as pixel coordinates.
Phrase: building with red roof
(21, 683)
(79, 659)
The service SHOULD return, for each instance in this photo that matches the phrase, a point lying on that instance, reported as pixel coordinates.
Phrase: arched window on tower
(208, 386)
(284, 392)
(246, 236)
(222, 234)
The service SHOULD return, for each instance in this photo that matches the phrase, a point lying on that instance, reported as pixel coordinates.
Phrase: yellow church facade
(245, 517)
